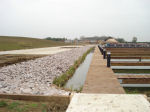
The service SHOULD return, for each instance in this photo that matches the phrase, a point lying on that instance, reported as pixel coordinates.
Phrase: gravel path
(36, 76)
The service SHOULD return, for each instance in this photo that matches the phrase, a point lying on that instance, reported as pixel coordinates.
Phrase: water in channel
(76, 82)
(130, 67)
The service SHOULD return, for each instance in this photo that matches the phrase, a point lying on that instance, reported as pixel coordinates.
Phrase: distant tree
(108, 37)
(56, 39)
(134, 39)
(82, 37)
(76, 39)
(121, 40)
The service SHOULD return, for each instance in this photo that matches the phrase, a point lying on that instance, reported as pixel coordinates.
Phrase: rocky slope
(36, 76)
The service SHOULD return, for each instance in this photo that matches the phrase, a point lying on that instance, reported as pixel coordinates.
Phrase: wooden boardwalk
(101, 79)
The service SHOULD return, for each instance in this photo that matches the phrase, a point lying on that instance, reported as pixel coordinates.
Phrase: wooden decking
(132, 76)
(123, 63)
(101, 79)
(134, 79)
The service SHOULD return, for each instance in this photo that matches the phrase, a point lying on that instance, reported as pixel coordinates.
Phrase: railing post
(104, 54)
(99, 47)
(140, 59)
(108, 59)
(102, 51)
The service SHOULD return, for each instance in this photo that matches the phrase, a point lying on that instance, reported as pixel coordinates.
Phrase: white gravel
(36, 76)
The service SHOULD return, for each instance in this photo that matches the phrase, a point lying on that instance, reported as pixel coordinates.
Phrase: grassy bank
(137, 90)
(15, 43)
(61, 80)
(131, 71)
(16, 58)
(8, 105)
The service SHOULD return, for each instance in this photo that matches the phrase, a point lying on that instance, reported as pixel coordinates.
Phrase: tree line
(56, 39)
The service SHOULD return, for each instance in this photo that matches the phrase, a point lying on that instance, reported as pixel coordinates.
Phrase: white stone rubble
(36, 76)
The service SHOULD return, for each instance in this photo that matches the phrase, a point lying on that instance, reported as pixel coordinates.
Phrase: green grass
(9, 105)
(137, 90)
(3, 104)
(12, 58)
(61, 80)
(16, 106)
(15, 43)
(77, 90)
(131, 71)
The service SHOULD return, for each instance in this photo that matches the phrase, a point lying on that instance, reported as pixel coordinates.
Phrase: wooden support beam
(129, 54)
(38, 98)
(133, 76)
(130, 63)
(130, 57)
(135, 81)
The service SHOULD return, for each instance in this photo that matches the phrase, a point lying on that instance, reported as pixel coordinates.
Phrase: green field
(15, 43)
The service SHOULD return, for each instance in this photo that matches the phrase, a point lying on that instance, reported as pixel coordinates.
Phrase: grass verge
(16, 58)
(61, 80)
(9, 105)
(15, 43)
(137, 90)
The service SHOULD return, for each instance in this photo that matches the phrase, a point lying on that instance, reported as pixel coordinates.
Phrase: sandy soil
(43, 51)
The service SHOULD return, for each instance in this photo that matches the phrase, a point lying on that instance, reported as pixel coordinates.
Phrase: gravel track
(36, 76)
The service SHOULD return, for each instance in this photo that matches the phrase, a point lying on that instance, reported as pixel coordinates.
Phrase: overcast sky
(75, 18)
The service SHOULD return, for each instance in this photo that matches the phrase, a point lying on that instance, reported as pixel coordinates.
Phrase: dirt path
(43, 51)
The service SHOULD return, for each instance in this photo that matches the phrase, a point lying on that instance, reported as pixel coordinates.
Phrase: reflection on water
(126, 60)
(132, 73)
(78, 79)
(135, 85)
(130, 67)
(131, 60)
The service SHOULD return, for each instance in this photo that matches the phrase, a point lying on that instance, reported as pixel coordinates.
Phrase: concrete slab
(108, 103)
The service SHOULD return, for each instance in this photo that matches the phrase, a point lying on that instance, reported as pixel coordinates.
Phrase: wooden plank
(140, 53)
(133, 76)
(130, 63)
(128, 49)
(136, 81)
(130, 57)
(38, 98)
(126, 52)
(129, 54)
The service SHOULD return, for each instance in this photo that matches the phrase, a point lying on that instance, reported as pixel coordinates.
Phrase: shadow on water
(77, 80)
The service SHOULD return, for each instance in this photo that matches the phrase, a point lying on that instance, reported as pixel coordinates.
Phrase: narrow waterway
(77, 80)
